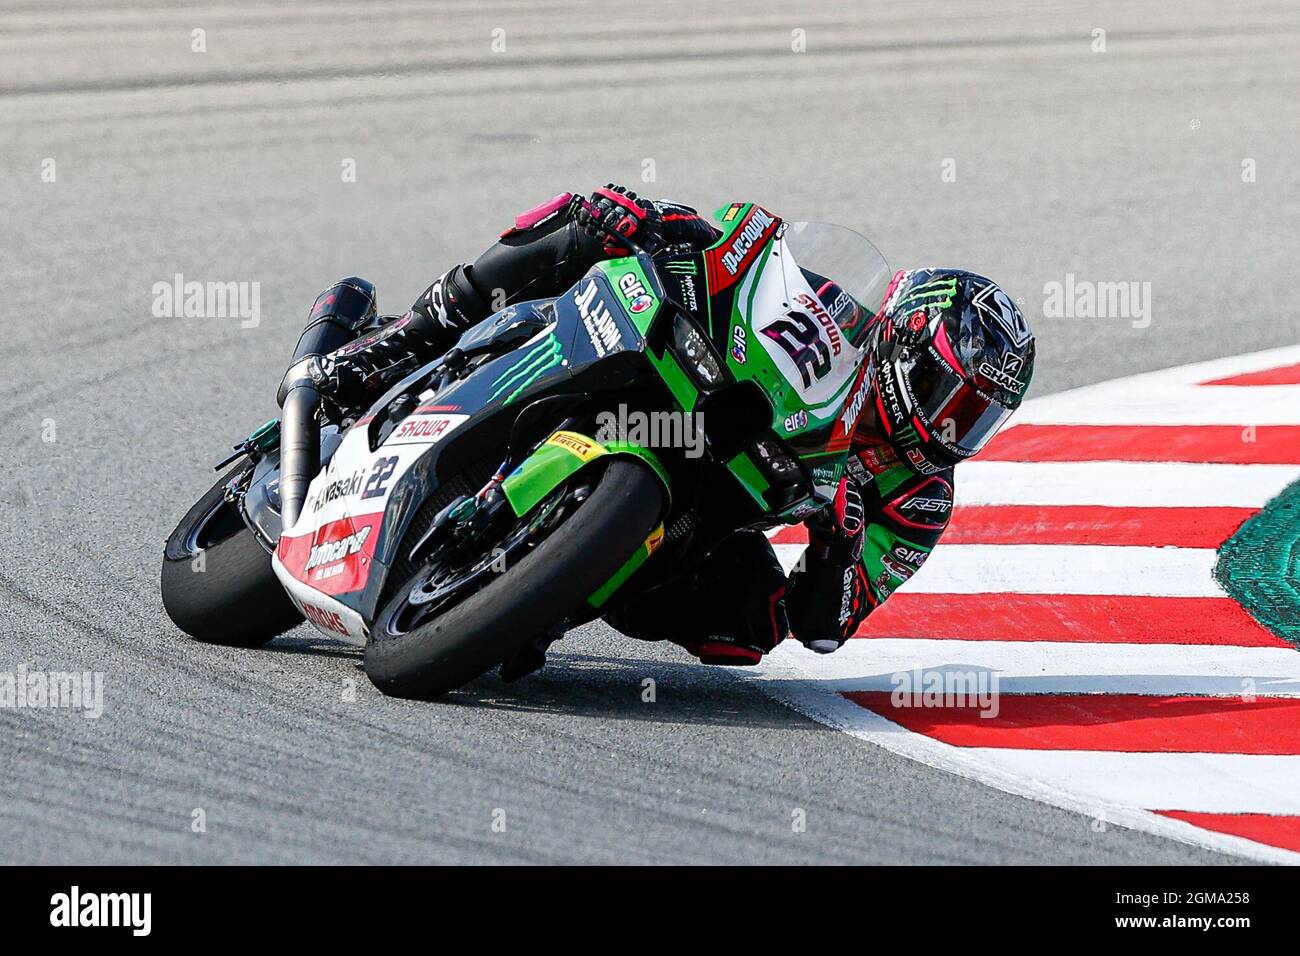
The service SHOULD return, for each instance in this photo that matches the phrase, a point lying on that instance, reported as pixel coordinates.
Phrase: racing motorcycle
(504, 493)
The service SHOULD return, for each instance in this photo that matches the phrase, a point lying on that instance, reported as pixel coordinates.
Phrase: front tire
(544, 588)
(217, 582)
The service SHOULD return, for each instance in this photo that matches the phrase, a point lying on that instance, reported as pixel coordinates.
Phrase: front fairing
(789, 305)
(393, 461)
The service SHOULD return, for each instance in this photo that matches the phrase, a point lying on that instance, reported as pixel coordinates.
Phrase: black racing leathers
(739, 604)
(545, 252)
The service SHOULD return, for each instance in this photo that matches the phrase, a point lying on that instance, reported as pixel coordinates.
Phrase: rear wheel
(431, 638)
(217, 581)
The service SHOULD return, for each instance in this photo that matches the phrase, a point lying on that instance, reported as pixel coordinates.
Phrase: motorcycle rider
(950, 358)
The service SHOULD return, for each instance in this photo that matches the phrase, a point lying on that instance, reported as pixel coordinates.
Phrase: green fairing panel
(560, 457)
(637, 293)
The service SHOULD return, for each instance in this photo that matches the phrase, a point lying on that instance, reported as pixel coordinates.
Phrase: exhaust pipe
(299, 446)
(339, 313)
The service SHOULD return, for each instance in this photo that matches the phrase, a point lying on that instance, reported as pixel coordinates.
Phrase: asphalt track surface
(226, 166)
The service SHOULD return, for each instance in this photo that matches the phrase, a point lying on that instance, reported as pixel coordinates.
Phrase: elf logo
(74, 908)
(638, 299)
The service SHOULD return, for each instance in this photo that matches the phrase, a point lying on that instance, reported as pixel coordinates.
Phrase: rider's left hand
(617, 211)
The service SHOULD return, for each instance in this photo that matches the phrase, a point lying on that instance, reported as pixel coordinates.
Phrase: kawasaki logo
(340, 488)
(759, 222)
(846, 596)
(332, 551)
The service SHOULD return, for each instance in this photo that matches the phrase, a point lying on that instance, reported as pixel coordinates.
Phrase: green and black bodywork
(651, 336)
(634, 339)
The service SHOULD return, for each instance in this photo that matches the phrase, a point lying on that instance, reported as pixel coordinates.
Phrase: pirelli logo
(576, 444)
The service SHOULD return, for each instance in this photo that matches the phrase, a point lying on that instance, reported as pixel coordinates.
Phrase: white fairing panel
(330, 549)
(788, 317)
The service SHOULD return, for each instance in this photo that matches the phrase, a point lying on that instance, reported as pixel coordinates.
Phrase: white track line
(1213, 783)
(1120, 484)
(1148, 405)
(1205, 783)
(1048, 667)
(790, 684)
(1057, 569)
(1169, 397)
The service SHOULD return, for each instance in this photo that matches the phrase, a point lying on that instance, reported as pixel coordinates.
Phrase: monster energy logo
(940, 290)
(683, 267)
(905, 437)
(534, 363)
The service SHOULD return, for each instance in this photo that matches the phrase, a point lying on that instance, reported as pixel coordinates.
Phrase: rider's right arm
(541, 255)
(545, 252)
(848, 571)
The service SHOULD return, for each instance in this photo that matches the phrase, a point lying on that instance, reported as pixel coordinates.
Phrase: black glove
(828, 596)
(614, 211)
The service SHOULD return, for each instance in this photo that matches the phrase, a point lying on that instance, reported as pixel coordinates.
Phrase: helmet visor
(958, 414)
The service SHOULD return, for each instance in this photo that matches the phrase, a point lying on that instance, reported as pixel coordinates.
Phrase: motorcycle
(511, 490)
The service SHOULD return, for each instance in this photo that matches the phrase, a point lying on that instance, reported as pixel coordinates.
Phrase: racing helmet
(952, 357)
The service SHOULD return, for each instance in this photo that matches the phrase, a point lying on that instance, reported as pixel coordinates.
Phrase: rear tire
(235, 599)
(524, 602)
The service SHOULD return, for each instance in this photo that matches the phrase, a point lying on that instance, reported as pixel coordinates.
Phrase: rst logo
(599, 324)
(634, 292)
(758, 224)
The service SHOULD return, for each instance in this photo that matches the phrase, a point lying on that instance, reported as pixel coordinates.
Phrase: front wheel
(217, 581)
(585, 540)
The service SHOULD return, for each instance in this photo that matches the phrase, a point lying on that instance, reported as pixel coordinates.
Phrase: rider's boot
(531, 658)
(354, 373)
(730, 611)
